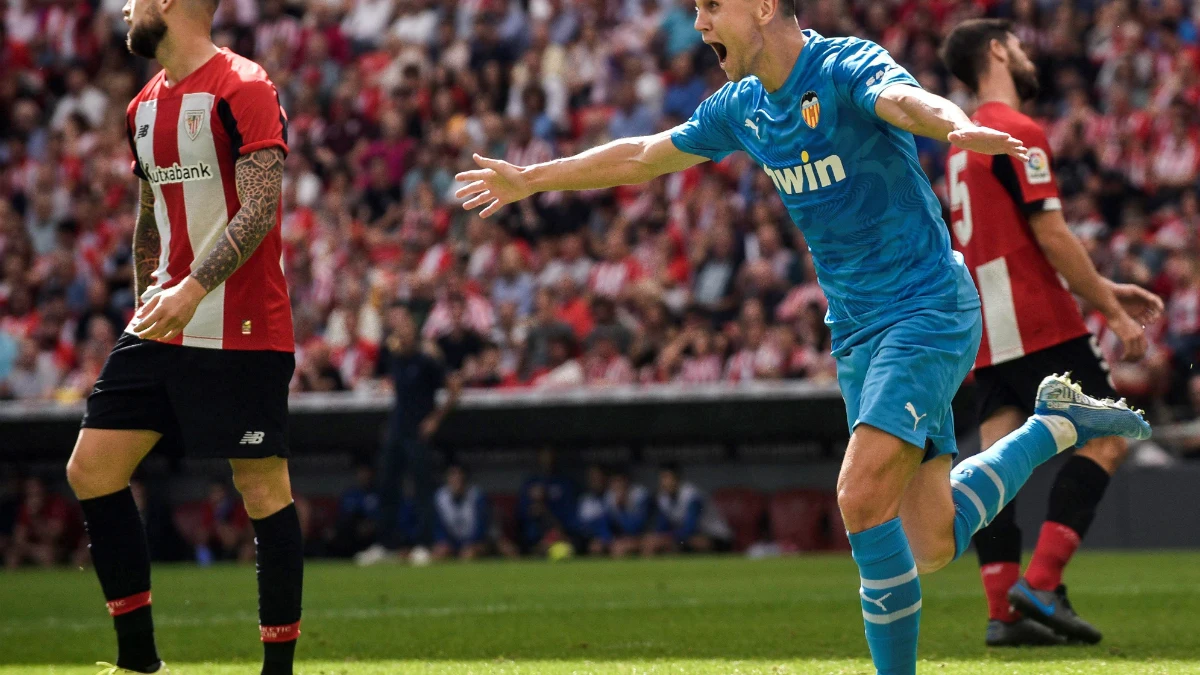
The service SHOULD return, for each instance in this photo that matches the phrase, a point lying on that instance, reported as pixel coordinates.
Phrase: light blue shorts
(902, 378)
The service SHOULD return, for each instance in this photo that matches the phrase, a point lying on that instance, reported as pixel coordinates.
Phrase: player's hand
(1142, 306)
(988, 142)
(167, 313)
(1133, 337)
(495, 183)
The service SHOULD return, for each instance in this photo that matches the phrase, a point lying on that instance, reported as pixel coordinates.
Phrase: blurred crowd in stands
(698, 277)
(600, 511)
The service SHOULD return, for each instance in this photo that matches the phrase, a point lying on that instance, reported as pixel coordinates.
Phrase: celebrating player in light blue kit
(831, 122)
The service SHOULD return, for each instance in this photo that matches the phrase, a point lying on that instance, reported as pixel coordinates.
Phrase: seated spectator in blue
(628, 510)
(594, 532)
(540, 528)
(162, 536)
(559, 493)
(686, 89)
(686, 519)
(462, 527)
(357, 514)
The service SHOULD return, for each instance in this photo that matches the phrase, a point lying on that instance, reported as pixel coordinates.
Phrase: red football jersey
(1026, 306)
(185, 138)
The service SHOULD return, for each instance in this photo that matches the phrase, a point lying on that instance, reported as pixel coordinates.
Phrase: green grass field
(714, 615)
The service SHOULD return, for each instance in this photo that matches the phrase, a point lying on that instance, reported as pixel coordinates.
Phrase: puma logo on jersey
(176, 173)
(753, 126)
(808, 176)
(912, 409)
(253, 438)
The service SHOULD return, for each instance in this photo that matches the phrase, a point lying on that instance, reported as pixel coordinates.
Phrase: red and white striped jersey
(185, 138)
(1026, 307)
(1183, 311)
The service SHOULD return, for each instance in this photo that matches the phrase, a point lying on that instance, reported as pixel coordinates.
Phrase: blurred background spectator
(686, 519)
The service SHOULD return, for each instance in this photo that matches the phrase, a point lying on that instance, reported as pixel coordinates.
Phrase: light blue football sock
(985, 483)
(891, 596)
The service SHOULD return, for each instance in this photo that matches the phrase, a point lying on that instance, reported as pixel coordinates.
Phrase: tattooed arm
(147, 245)
(259, 177)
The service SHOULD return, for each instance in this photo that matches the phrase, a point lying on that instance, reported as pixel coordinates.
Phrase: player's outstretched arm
(622, 162)
(920, 112)
(1126, 307)
(147, 244)
(259, 178)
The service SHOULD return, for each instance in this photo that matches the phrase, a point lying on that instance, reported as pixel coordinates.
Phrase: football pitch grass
(702, 615)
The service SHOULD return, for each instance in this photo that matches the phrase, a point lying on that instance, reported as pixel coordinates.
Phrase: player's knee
(89, 477)
(932, 559)
(261, 495)
(862, 507)
(1109, 452)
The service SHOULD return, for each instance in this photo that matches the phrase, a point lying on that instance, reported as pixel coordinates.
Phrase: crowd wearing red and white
(695, 278)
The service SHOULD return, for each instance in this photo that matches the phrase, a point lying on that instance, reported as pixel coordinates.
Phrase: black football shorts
(213, 402)
(1015, 383)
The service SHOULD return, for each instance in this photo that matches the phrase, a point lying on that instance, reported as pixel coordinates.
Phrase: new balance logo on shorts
(253, 438)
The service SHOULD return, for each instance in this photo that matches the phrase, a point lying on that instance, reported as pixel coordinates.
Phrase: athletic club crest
(810, 108)
(193, 121)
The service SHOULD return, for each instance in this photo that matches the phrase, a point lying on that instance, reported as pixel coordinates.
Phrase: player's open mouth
(721, 52)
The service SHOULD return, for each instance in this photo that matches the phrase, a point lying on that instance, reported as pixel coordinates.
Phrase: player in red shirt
(1007, 221)
(207, 358)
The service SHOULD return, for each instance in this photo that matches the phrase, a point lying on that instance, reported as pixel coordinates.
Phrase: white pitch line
(16, 626)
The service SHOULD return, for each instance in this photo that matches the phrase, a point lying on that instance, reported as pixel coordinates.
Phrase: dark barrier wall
(630, 417)
(770, 437)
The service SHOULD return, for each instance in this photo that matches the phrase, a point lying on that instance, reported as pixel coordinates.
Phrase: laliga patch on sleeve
(1037, 167)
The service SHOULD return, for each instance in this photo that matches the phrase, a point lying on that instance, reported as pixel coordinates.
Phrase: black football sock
(1077, 491)
(122, 561)
(280, 554)
(1000, 540)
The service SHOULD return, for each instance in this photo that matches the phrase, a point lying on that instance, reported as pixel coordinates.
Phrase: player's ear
(165, 5)
(998, 49)
(766, 10)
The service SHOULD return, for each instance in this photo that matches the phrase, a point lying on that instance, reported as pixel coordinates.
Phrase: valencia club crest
(810, 107)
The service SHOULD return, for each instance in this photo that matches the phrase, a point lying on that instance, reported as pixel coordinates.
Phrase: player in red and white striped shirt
(1006, 218)
(208, 357)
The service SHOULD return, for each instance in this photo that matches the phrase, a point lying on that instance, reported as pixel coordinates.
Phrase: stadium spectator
(627, 507)
(559, 495)
(460, 343)
(224, 532)
(33, 376)
(594, 532)
(416, 378)
(317, 371)
(562, 370)
(163, 538)
(43, 533)
(357, 515)
(540, 528)
(463, 526)
(604, 364)
(685, 518)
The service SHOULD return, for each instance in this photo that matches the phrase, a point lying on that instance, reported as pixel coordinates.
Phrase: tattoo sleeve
(147, 245)
(259, 177)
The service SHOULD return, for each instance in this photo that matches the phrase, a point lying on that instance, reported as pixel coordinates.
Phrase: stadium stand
(697, 277)
(694, 278)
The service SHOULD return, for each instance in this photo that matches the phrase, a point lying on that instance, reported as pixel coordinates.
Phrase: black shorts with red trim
(219, 403)
(1015, 383)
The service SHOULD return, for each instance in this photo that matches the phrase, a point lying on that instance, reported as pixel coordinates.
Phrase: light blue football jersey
(850, 181)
